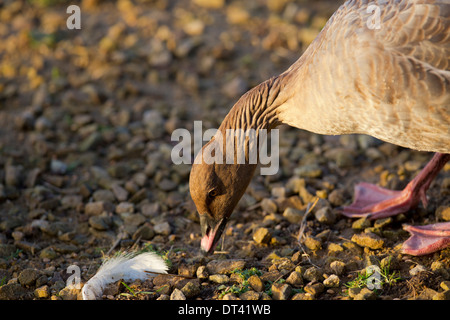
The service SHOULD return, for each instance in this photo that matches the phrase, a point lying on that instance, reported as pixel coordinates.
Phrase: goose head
(216, 189)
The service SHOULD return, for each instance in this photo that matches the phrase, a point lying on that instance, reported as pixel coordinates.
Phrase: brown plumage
(380, 70)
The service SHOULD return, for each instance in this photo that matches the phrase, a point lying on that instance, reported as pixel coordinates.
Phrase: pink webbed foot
(375, 202)
(427, 239)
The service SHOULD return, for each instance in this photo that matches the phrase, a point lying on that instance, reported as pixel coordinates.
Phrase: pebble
(443, 213)
(125, 207)
(225, 266)
(210, 4)
(103, 196)
(417, 269)
(269, 206)
(191, 290)
(12, 291)
(262, 236)
(13, 175)
(308, 171)
(256, 283)
(337, 197)
(369, 240)
(219, 278)
(338, 267)
(249, 295)
(445, 285)
(445, 295)
(312, 243)
(97, 207)
(177, 294)
(295, 279)
(28, 276)
(202, 273)
(144, 232)
(315, 288)
(100, 222)
(281, 291)
(325, 215)
(365, 294)
(313, 274)
(332, 281)
(293, 215)
(361, 224)
(42, 292)
(162, 228)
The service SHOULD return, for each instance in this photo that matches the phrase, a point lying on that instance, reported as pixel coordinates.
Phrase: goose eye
(213, 193)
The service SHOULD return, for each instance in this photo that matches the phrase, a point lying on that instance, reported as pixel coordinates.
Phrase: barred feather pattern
(126, 266)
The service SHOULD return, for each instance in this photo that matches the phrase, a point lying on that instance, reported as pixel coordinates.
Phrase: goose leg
(374, 202)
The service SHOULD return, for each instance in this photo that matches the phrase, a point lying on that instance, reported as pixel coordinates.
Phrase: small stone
(262, 236)
(12, 291)
(190, 290)
(97, 207)
(58, 167)
(337, 197)
(210, 4)
(69, 293)
(353, 292)
(312, 243)
(309, 171)
(332, 281)
(369, 240)
(48, 253)
(120, 193)
(256, 283)
(202, 273)
(13, 175)
(313, 274)
(177, 294)
(125, 207)
(337, 267)
(365, 294)
(249, 295)
(293, 215)
(230, 296)
(167, 185)
(269, 205)
(100, 223)
(303, 296)
(381, 223)
(417, 269)
(315, 288)
(281, 291)
(225, 266)
(325, 215)
(443, 213)
(219, 278)
(445, 295)
(42, 292)
(279, 192)
(103, 195)
(28, 276)
(445, 285)
(162, 228)
(361, 224)
(334, 248)
(295, 279)
(144, 232)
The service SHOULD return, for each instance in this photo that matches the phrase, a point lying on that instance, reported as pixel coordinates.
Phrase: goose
(379, 68)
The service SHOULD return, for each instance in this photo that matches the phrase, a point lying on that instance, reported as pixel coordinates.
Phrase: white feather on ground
(127, 266)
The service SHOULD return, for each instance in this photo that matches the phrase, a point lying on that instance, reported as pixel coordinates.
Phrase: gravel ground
(85, 169)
